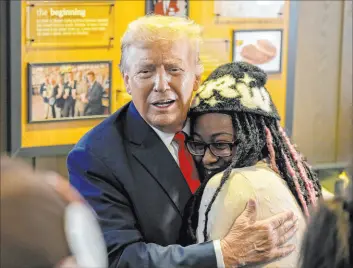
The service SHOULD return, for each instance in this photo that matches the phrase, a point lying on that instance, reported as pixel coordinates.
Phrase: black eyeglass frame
(209, 146)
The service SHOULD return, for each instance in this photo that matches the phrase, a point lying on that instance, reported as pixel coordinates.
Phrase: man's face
(90, 78)
(160, 79)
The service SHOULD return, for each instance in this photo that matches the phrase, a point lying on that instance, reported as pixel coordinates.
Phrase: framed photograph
(69, 91)
(262, 48)
(178, 8)
(250, 9)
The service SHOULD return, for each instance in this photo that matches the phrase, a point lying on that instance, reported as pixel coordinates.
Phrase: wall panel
(345, 114)
(317, 79)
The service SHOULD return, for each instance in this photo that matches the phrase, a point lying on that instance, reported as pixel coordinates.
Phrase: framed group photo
(69, 91)
(262, 48)
(179, 8)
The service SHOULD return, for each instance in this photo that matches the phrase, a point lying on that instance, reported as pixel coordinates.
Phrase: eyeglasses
(220, 149)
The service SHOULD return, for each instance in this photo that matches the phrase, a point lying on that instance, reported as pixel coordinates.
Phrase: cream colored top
(272, 196)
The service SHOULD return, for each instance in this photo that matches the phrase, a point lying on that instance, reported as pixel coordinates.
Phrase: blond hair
(152, 28)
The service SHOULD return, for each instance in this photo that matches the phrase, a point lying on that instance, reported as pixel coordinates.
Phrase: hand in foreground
(250, 241)
(63, 187)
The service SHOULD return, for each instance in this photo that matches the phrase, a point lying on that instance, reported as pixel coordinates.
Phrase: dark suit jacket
(94, 96)
(138, 192)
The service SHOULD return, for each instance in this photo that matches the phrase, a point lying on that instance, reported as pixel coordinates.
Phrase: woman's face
(215, 129)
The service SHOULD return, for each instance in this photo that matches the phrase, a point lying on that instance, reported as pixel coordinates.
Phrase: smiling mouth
(163, 103)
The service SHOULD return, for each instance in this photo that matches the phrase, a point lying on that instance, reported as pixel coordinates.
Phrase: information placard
(69, 23)
(250, 9)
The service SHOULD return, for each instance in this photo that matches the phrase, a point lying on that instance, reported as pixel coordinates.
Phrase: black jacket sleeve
(125, 244)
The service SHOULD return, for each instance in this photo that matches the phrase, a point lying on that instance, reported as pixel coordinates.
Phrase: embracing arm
(125, 244)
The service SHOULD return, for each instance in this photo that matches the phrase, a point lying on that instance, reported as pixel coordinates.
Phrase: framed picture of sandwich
(262, 48)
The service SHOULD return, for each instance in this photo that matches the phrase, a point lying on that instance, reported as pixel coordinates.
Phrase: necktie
(186, 163)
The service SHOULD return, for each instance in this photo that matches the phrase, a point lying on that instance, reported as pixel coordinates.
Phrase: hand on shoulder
(250, 241)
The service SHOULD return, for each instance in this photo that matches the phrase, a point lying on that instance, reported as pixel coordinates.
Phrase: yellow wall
(202, 12)
(69, 132)
(317, 58)
(66, 132)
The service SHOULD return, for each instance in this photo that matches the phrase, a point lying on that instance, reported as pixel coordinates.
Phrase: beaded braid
(312, 176)
(269, 143)
(303, 175)
(259, 137)
(191, 225)
(288, 170)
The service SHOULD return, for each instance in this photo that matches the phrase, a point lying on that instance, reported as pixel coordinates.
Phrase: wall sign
(51, 23)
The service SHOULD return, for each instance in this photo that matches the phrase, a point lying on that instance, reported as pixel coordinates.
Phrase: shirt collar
(167, 138)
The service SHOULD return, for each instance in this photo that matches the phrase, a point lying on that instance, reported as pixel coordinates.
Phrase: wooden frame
(258, 32)
(31, 92)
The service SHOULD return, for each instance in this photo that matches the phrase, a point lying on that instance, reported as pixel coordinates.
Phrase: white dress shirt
(167, 139)
(166, 6)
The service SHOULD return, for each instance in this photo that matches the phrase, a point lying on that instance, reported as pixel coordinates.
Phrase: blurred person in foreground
(328, 242)
(45, 223)
(134, 168)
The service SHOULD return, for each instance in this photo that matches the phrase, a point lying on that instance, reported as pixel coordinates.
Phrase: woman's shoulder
(262, 176)
(256, 176)
(259, 182)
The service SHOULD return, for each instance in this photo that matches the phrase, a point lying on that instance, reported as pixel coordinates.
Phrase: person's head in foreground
(235, 124)
(45, 223)
(161, 68)
(328, 242)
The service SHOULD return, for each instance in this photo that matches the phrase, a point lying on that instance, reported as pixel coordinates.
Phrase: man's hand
(250, 241)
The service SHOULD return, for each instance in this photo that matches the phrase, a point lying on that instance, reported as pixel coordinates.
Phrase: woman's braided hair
(258, 136)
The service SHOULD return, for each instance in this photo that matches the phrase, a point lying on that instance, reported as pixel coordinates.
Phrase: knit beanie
(234, 87)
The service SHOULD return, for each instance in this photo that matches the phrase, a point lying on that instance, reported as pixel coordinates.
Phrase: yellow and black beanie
(234, 87)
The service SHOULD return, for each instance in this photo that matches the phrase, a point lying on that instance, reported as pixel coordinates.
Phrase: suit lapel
(153, 155)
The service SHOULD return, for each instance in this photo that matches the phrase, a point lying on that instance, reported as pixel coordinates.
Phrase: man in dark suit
(69, 88)
(94, 96)
(131, 168)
